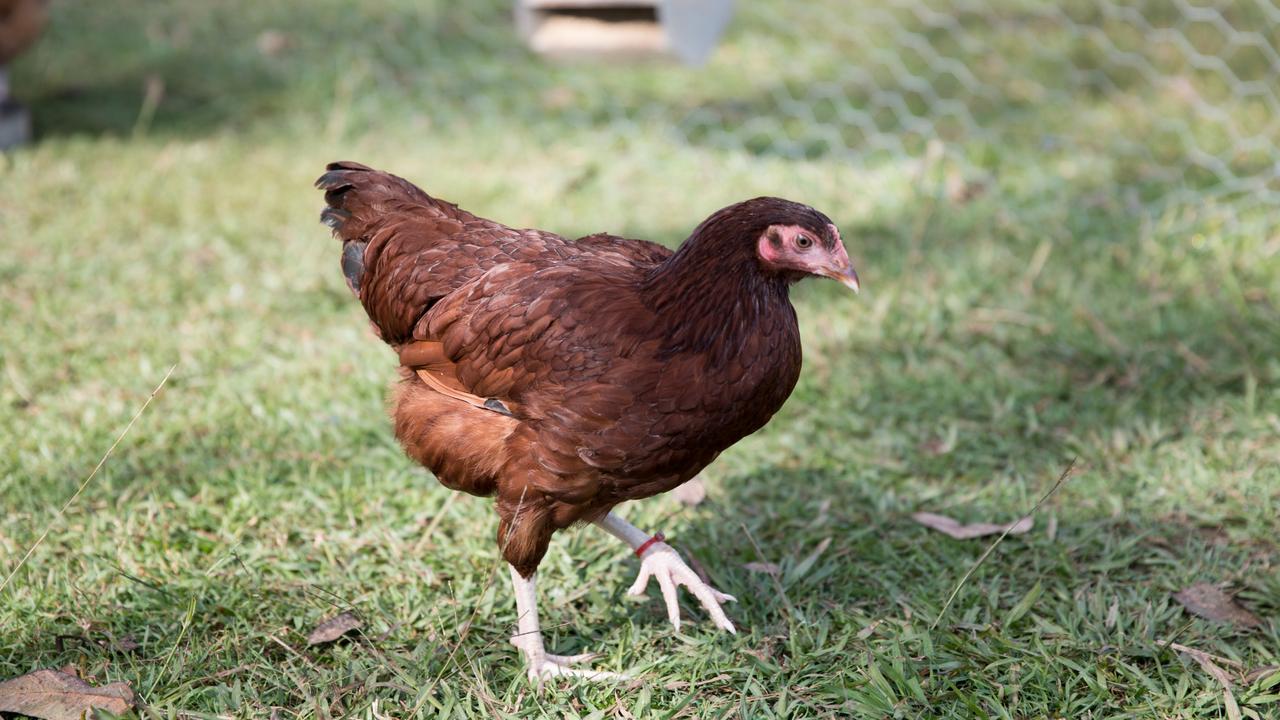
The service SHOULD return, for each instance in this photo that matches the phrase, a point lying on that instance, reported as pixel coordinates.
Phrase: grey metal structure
(15, 120)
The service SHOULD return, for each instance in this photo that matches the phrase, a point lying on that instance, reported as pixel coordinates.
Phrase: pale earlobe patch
(769, 246)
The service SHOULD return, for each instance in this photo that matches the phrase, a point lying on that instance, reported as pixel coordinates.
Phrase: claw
(662, 562)
(572, 659)
(547, 666)
(543, 665)
(548, 669)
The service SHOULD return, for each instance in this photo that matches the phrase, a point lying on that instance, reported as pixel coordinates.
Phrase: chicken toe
(552, 666)
(662, 562)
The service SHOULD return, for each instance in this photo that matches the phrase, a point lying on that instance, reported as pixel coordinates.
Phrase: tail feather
(403, 250)
(353, 264)
(334, 217)
(391, 233)
(356, 199)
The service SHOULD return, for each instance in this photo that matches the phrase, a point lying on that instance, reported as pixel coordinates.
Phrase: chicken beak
(840, 269)
(848, 277)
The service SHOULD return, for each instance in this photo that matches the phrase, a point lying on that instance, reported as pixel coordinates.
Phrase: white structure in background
(684, 29)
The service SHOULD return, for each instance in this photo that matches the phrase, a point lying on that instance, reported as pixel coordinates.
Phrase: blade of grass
(85, 484)
(1066, 473)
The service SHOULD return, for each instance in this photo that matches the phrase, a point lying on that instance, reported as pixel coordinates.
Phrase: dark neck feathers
(713, 290)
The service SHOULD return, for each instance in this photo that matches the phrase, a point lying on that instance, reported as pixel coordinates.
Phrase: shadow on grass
(191, 69)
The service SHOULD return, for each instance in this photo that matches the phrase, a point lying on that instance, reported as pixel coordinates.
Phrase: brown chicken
(568, 376)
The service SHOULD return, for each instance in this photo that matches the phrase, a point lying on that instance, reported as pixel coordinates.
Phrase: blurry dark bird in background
(568, 376)
(20, 24)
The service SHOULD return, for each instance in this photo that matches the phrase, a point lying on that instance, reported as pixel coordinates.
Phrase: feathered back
(403, 250)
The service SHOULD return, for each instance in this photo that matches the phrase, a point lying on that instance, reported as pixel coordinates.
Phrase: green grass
(1049, 318)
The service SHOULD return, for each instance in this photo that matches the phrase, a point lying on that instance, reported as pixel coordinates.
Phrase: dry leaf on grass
(1113, 614)
(946, 525)
(764, 567)
(1209, 601)
(691, 493)
(334, 628)
(803, 567)
(867, 631)
(56, 695)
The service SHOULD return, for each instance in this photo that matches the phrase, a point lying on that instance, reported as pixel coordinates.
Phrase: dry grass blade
(763, 567)
(1066, 473)
(334, 628)
(56, 695)
(869, 630)
(1209, 601)
(787, 607)
(1198, 654)
(1208, 664)
(955, 529)
(695, 564)
(1261, 673)
(87, 480)
(807, 563)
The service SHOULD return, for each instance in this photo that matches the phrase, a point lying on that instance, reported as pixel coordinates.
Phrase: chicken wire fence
(1185, 94)
(1175, 102)
(1181, 97)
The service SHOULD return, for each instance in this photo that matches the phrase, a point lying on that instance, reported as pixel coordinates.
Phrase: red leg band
(657, 538)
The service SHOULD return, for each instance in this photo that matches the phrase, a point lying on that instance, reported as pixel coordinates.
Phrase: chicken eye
(804, 242)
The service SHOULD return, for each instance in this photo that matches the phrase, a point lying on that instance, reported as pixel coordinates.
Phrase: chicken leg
(660, 560)
(528, 639)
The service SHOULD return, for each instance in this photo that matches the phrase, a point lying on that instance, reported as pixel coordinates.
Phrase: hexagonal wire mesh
(1184, 94)
(1178, 100)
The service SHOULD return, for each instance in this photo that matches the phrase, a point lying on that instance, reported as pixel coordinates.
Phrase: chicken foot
(528, 638)
(659, 560)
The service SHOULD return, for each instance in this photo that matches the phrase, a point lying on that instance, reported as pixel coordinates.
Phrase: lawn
(1074, 305)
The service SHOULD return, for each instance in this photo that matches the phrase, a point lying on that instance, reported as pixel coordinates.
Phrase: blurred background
(1177, 99)
(1064, 215)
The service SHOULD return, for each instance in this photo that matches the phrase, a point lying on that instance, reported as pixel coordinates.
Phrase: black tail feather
(353, 264)
(334, 217)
